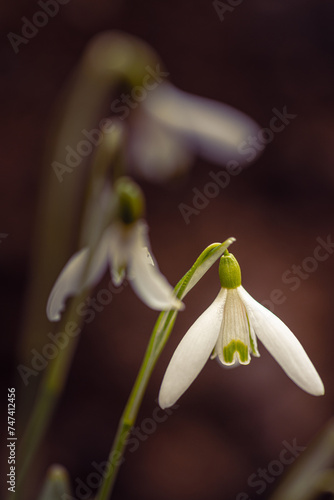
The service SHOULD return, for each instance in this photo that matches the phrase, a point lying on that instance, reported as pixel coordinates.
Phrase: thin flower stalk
(159, 337)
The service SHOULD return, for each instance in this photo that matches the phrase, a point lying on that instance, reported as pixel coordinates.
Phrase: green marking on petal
(252, 344)
(233, 347)
(254, 350)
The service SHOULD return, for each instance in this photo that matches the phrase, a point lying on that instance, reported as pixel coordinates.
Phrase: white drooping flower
(172, 126)
(124, 248)
(229, 329)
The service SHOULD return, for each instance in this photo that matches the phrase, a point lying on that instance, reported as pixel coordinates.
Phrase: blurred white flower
(171, 126)
(228, 329)
(125, 249)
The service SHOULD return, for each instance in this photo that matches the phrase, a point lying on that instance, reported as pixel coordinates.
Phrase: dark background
(263, 55)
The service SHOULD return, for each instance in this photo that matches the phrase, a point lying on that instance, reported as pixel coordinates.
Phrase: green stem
(131, 409)
(47, 397)
(161, 332)
(36, 428)
(130, 412)
(56, 373)
(126, 423)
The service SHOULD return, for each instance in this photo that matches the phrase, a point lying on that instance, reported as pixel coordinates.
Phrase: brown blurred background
(263, 55)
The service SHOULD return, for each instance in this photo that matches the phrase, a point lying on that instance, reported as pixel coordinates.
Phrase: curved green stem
(47, 397)
(126, 423)
(159, 337)
(55, 376)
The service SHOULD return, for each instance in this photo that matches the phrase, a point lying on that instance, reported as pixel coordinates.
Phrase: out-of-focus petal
(215, 130)
(192, 353)
(283, 345)
(144, 275)
(150, 285)
(71, 279)
(156, 152)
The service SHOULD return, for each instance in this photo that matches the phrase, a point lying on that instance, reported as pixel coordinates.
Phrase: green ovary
(233, 347)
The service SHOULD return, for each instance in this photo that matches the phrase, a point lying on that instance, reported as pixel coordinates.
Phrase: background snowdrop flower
(229, 329)
(125, 248)
(172, 126)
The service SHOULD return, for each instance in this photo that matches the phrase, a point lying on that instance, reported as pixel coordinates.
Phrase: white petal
(283, 345)
(143, 272)
(150, 285)
(69, 281)
(158, 153)
(216, 130)
(192, 353)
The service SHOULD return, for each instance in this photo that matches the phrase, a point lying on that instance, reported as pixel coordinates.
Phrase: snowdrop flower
(125, 248)
(229, 329)
(171, 127)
